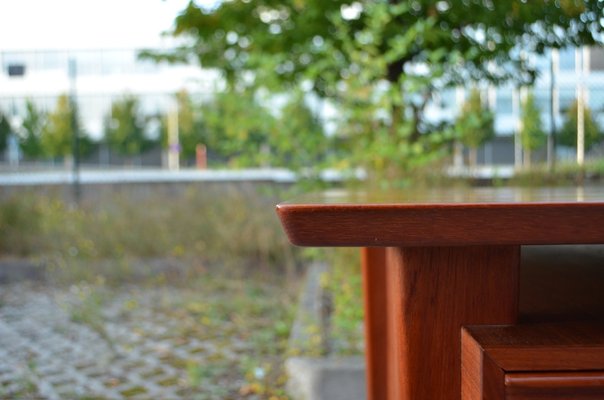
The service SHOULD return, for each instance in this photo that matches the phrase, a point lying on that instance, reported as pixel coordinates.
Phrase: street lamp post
(75, 130)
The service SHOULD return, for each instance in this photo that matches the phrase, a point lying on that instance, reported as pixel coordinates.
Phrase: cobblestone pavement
(82, 343)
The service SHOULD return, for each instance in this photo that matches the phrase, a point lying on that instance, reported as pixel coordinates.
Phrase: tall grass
(213, 224)
(564, 174)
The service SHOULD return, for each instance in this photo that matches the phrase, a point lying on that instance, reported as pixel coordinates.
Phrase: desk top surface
(479, 216)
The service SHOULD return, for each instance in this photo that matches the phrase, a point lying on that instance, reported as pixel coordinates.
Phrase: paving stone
(138, 354)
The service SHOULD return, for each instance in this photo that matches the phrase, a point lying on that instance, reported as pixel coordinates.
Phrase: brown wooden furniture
(439, 260)
(533, 361)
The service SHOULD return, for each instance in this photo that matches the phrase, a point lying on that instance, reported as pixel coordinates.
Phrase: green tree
(532, 135)
(5, 131)
(238, 128)
(475, 124)
(568, 134)
(33, 126)
(291, 35)
(380, 61)
(125, 127)
(298, 140)
(58, 133)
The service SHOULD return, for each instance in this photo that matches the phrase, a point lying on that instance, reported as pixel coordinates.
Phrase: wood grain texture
(481, 377)
(471, 367)
(373, 262)
(442, 224)
(452, 263)
(432, 292)
(533, 361)
(396, 304)
(493, 380)
(545, 347)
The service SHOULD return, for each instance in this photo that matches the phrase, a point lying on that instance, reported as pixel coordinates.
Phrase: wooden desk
(435, 261)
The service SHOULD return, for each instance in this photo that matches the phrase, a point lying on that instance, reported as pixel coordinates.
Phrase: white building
(102, 76)
(505, 100)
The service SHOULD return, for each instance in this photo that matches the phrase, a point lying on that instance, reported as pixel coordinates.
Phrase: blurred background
(144, 144)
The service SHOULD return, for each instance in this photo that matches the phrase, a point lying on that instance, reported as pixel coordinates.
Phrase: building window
(503, 102)
(567, 59)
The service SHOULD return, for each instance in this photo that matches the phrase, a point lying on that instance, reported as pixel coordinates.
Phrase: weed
(221, 225)
(88, 307)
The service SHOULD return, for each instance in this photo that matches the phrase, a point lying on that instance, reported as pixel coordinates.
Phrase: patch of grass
(343, 282)
(134, 391)
(338, 330)
(172, 381)
(564, 174)
(255, 314)
(88, 307)
(20, 224)
(223, 225)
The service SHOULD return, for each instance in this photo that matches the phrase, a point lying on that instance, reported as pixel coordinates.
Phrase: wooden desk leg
(431, 293)
(373, 263)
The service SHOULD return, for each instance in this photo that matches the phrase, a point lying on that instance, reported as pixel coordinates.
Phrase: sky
(86, 24)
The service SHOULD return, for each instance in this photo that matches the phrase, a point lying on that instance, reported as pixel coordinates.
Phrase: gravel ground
(89, 341)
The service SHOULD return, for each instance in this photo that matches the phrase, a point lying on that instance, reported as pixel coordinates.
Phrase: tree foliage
(532, 134)
(58, 132)
(475, 124)
(298, 140)
(33, 126)
(125, 127)
(292, 35)
(380, 61)
(5, 130)
(248, 130)
(238, 128)
(568, 133)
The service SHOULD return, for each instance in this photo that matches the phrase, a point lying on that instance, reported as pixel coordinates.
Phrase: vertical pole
(75, 130)
(201, 156)
(516, 105)
(580, 107)
(491, 103)
(554, 109)
(457, 146)
(173, 144)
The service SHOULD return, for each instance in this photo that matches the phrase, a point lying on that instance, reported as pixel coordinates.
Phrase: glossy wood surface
(447, 217)
(432, 292)
(575, 385)
(375, 284)
(558, 380)
(438, 260)
(533, 361)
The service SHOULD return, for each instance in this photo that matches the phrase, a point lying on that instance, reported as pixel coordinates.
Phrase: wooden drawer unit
(533, 362)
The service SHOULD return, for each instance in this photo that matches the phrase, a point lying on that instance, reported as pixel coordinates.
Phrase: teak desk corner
(436, 261)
